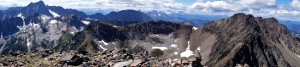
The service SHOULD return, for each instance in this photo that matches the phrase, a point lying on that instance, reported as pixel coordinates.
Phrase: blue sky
(285, 2)
(186, 2)
(281, 9)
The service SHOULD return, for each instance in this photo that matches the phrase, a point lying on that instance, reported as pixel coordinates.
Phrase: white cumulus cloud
(264, 8)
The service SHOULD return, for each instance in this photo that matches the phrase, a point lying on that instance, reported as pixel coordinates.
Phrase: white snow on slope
(104, 49)
(161, 48)
(34, 25)
(173, 45)
(28, 45)
(44, 18)
(298, 55)
(195, 28)
(102, 41)
(20, 27)
(53, 21)
(115, 26)
(20, 15)
(86, 22)
(72, 33)
(198, 48)
(54, 14)
(187, 52)
(176, 53)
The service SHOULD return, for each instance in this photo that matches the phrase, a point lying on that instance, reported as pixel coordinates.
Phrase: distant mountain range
(293, 26)
(14, 16)
(195, 19)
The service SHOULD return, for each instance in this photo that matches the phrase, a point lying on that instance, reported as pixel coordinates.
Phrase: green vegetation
(67, 36)
(63, 40)
(157, 53)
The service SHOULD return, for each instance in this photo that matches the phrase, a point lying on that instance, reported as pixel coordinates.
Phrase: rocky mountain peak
(40, 3)
(234, 40)
(241, 16)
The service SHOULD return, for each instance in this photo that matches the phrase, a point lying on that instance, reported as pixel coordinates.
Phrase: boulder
(136, 62)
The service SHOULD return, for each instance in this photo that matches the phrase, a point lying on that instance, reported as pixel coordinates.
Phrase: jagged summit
(246, 40)
(39, 3)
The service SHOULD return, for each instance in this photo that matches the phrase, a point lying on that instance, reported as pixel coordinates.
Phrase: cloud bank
(264, 8)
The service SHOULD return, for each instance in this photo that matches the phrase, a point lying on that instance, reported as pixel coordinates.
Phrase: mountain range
(67, 37)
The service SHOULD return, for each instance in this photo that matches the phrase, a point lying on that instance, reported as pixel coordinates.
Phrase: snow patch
(102, 41)
(28, 43)
(176, 53)
(198, 48)
(20, 27)
(86, 22)
(53, 21)
(54, 14)
(34, 25)
(115, 26)
(195, 28)
(72, 33)
(159, 14)
(173, 45)
(44, 18)
(187, 52)
(20, 15)
(298, 55)
(104, 49)
(161, 48)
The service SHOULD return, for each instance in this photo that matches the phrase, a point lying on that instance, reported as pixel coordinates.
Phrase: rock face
(245, 39)
(101, 36)
(39, 31)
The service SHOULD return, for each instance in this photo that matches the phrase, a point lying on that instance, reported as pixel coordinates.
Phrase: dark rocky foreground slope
(246, 40)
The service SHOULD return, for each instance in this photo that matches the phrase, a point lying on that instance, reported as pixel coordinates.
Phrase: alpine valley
(52, 36)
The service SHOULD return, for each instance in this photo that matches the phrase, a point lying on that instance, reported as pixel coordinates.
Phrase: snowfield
(54, 14)
(53, 21)
(195, 28)
(104, 49)
(86, 22)
(187, 53)
(102, 41)
(161, 48)
(173, 45)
